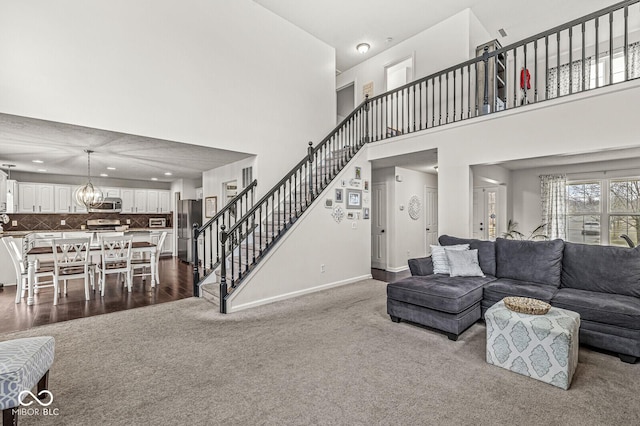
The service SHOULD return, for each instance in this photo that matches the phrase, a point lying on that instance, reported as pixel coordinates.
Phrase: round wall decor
(338, 214)
(414, 207)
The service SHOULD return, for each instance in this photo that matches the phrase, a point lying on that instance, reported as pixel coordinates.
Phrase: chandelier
(88, 195)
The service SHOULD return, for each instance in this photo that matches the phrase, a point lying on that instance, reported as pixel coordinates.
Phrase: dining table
(46, 252)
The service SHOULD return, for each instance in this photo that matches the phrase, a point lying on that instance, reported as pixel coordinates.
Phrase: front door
(379, 226)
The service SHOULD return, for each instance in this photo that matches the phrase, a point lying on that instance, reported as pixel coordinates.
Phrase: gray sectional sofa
(601, 283)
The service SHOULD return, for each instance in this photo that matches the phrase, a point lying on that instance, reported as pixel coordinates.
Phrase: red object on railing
(525, 79)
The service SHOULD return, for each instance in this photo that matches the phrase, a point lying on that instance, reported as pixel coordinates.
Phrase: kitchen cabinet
(65, 201)
(158, 201)
(36, 198)
(152, 201)
(12, 196)
(128, 197)
(140, 200)
(110, 192)
(167, 246)
(164, 201)
(3, 192)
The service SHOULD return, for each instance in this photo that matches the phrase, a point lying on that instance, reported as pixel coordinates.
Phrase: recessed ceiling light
(111, 168)
(154, 178)
(37, 161)
(389, 39)
(168, 173)
(42, 170)
(104, 175)
(363, 48)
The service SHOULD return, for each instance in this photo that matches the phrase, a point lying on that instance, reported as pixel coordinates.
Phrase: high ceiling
(61, 147)
(343, 24)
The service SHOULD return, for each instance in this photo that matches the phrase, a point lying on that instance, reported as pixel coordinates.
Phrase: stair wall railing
(594, 51)
(207, 234)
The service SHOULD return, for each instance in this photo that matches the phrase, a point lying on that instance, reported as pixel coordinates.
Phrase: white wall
(445, 44)
(590, 122)
(292, 267)
(224, 74)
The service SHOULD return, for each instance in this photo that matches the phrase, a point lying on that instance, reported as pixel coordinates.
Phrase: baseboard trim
(398, 269)
(256, 303)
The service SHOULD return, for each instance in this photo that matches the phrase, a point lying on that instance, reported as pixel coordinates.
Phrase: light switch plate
(14, 223)
(63, 222)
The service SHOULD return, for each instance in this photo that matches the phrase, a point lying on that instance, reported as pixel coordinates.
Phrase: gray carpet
(332, 357)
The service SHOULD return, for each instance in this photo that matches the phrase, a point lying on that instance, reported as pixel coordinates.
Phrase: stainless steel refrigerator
(189, 212)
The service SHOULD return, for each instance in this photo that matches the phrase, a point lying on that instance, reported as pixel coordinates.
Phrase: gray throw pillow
(439, 258)
(464, 263)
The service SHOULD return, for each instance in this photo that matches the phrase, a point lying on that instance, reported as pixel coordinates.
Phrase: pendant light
(88, 195)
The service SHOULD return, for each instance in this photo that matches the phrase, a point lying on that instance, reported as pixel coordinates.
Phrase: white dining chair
(115, 259)
(71, 261)
(143, 263)
(22, 276)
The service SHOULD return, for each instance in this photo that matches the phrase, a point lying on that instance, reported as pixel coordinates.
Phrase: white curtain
(633, 60)
(576, 78)
(553, 191)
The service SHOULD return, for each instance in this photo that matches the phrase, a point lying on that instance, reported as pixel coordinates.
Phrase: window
(599, 212)
(624, 210)
(584, 212)
(247, 176)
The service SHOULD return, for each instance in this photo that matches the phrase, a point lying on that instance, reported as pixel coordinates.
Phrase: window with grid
(624, 210)
(584, 212)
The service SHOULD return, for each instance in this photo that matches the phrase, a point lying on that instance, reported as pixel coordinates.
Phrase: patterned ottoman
(543, 347)
(23, 364)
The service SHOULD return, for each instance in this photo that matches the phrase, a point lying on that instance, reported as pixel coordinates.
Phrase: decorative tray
(526, 305)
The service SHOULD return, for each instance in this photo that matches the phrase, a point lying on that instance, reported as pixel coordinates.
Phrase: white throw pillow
(464, 263)
(439, 257)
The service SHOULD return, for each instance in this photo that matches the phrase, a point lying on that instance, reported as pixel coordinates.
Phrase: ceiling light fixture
(87, 194)
(37, 161)
(154, 178)
(104, 175)
(111, 168)
(168, 173)
(42, 170)
(363, 48)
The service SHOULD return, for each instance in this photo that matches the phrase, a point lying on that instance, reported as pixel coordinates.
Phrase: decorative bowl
(526, 305)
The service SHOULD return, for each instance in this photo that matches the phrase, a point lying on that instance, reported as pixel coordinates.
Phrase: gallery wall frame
(354, 198)
(210, 206)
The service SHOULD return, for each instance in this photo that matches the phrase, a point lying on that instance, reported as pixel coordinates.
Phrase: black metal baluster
(515, 77)
(433, 102)
(558, 34)
(420, 106)
(454, 96)
(223, 271)
(626, 43)
(440, 99)
(610, 47)
(535, 70)
(597, 22)
(524, 82)
(546, 66)
(414, 107)
(570, 60)
(461, 94)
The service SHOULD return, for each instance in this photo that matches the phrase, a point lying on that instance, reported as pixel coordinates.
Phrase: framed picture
(339, 195)
(366, 186)
(358, 173)
(210, 206)
(354, 198)
(328, 203)
(365, 213)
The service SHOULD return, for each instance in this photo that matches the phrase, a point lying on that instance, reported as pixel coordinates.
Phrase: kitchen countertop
(23, 233)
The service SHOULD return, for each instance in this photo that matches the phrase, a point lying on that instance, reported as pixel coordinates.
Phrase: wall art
(337, 214)
(415, 206)
(354, 199)
(339, 195)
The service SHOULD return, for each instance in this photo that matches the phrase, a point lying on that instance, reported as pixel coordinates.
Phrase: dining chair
(115, 259)
(21, 272)
(144, 262)
(71, 261)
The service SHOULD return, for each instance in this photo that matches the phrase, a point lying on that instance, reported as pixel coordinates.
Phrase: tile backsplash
(33, 222)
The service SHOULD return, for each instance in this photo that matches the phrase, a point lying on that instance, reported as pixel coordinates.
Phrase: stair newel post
(196, 269)
(366, 118)
(223, 269)
(310, 154)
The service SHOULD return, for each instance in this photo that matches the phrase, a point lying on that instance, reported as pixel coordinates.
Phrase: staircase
(242, 233)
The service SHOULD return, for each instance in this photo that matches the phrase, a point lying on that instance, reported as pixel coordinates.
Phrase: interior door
(430, 218)
(486, 212)
(379, 226)
(479, 217)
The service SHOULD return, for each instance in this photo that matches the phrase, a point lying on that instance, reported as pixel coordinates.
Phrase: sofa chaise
(601, 283)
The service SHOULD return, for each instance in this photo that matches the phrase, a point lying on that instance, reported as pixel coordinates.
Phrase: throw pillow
(464, 263)
(439, 258)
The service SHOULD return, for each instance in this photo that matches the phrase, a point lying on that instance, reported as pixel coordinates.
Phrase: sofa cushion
(533, 261)
(486, 251)
(463, 263)
(604, 269)
(421, 266)
(439, 292)
(504, 287)
(607, 308)
(439, 257)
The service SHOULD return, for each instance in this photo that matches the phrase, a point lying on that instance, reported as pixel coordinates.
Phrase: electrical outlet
(354, 225)
(14, 223)
(63, 222)
(128, 221)
(322, 268)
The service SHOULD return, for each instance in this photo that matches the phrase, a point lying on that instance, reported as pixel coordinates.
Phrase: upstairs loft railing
(597, 50)
(207, 234)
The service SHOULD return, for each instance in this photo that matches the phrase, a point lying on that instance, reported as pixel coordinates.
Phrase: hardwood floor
(176, 282)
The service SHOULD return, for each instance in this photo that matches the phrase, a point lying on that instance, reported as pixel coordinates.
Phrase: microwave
(108, 205)
(157, 222)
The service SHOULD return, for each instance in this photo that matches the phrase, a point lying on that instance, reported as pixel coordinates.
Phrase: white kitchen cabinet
(128, 200)
(110, 192)
(164, 201)
(36, 198)
(12, 196)
(3, 192)
(140, 201)
(167, 246)
(152, 201)
(64, 200)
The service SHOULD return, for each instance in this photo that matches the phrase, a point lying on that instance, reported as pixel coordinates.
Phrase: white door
(479, 220)
(485, 213)
(430, 218)
(379, 226)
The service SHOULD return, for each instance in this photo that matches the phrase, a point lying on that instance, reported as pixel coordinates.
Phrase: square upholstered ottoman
(543, 347)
